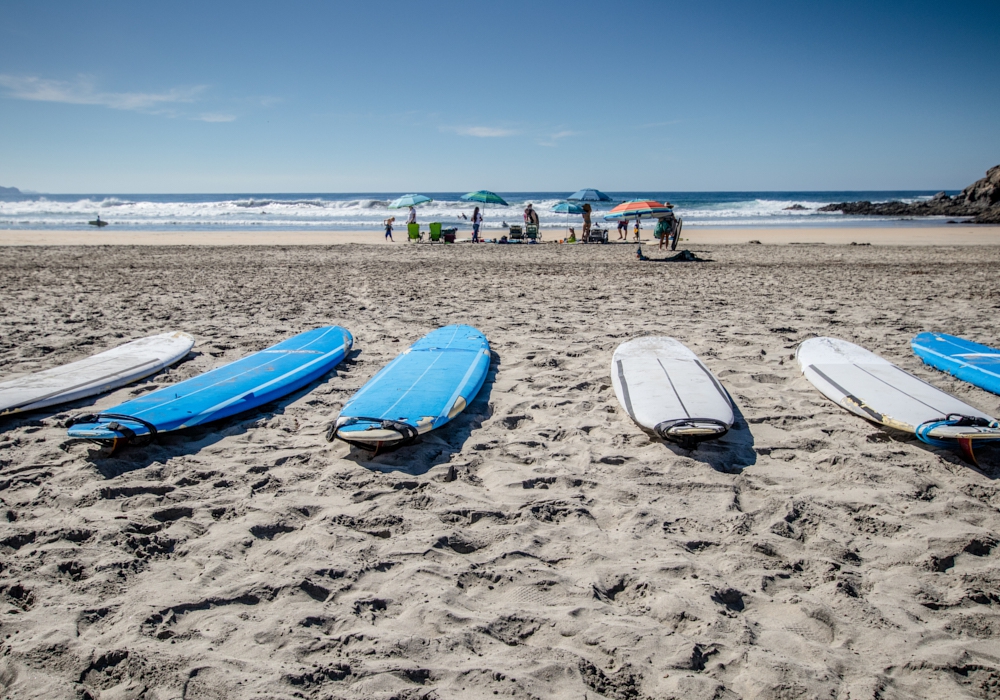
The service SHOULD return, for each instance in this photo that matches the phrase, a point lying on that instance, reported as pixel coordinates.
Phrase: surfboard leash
(958, 420)
(128, 435)
(688, 442)
(408, 432)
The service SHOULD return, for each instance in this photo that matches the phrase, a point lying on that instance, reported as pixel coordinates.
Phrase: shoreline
(954, 235)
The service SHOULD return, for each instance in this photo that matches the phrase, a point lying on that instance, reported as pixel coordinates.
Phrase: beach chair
(449, 234)
(515, 233)
(531, 233)
(435, 234)
(413, 232)
(597, 235)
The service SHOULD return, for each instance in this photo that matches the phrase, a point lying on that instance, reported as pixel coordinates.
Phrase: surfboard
(668, 390)
(874, 388)
(94, 375)
(971, 362)
(421, 389)
(239, 386)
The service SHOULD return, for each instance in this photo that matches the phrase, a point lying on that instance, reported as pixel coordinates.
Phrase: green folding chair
(413, 231)
(435, 231)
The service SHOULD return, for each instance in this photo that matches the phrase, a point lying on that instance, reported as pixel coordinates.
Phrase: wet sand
(539, 546)
(958, 234)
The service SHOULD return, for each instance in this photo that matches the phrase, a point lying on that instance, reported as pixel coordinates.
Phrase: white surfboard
(96, 374)
(666, 389)
(874, 388)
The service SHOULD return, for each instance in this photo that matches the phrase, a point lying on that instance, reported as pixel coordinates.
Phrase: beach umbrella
(589, 195)
(567, 208)
(638, 209)
(485, 197)
(409, 200)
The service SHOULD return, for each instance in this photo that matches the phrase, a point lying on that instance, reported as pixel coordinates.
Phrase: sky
(381, 96)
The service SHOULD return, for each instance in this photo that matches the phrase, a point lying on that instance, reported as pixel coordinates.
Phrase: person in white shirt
(412, 218)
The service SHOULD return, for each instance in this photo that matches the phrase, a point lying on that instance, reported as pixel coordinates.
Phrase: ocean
(364, 211)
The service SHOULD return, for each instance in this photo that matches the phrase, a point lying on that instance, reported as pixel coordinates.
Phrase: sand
(541, 545)
(958, 234)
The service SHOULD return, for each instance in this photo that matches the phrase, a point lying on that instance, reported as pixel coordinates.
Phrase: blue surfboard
(222, 392)
(969, 361)
(421, 389)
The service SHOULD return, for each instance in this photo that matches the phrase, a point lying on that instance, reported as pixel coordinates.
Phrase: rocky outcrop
(980, 200)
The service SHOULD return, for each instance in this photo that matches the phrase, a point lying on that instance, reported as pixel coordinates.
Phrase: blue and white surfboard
(239, 386)
(969, 361)
(420, 390)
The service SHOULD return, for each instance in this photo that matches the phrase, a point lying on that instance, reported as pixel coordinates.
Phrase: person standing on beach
(623, 230)
(636, 229)
(388, 228)
(412, 218)
(530, 216)
(477, 221)
(586, 221)
(662, 231)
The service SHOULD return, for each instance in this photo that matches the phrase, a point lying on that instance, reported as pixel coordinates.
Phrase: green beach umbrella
(484, 196)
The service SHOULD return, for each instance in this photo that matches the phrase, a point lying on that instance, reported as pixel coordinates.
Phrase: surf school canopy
(409, 200)
(589, 195)
(639, 209)
(484, 196)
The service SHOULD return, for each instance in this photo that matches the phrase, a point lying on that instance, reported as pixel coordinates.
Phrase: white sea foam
(368, 212)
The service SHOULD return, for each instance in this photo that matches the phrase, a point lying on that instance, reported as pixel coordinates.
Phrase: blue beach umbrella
(409, 200)
(589, 195)
(567, 208)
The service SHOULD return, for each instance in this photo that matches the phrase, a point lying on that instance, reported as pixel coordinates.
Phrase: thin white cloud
(83, 91)
(483, 132)
(216, 118)
(553, 140)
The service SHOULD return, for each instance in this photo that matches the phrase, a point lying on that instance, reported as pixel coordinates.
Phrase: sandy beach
(540, 545)
(956, 234)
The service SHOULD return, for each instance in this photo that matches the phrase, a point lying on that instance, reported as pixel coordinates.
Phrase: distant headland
(980, 200)
(9, 190)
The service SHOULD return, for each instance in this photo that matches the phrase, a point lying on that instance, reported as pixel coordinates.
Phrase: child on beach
(388, 228)
(636, 229)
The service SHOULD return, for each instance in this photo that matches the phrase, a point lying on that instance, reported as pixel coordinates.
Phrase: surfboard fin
(965, 446)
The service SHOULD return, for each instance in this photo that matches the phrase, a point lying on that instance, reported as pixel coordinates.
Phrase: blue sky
(140, 97)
